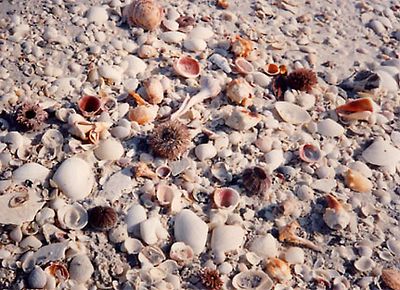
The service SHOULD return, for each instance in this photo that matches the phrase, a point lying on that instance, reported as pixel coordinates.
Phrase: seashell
(118, 234)
(147, 14)
(97, 15)
(14, 140)
(30, 242)
(201, 32)
(221, 172)
(154, 91)
(151, 231)
(391, 278)
(335, 216)
(32, 171)
(205, 151)
(181, 253)
(72, 217)
(265, 246)
(58, 271)
(102, 217)
(111, 73)
(172, 37)
(381, 153)
(191, 230)
(110, 149)
(195, 44)
(252, 280)
(240, 92)
(147, 51)
(45, 215)
(288, 234)
(52, 138)
(220, 62)
(243, 66)
(81, 269)
(142, 170)
(89, 105)
(241, 47)
(357, 182)
(242, 119)
(171, 25)
(91, 131)
(364, 264)
(151, 255)
(74, 178)
(163, 171)
(272, 69)
(143, 114)
(330, 128)
(18, 199)
(165, 194)
(294, 255)
(309, 153)
(360, 109)
(226, 198)
(226, 238)
(387, 82)
(394, 246)
(187, 67)
(278, 270)
(134, 216)
(256, 180)
(274, 159)
(37, 278)
(132, 246)
(292, 113)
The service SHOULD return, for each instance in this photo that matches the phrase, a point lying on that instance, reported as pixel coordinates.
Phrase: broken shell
(163, 171)
(81, 268)
(59, 271)
(89, 105)
(142, 170)
(110, 149)
(147, 14)
(278, 270)
(359, 109)
(309, 153)
(132, 246)
(147, 51)
(330, 128)
(226, 198)
(152, 255)
(256, 180)
(102, 217)
(221, 172)
(151, 231)
(74, 178)
(52, 138)
(381, 153)
(252, 280)
(391, 277)
(243, 66)
(241, 47)
(240, 92)
(18, 199)
(187, 67)
(292, 113)
(288, 234)
(226, 238)
(181, 253)
(37, 278)
(335, 216)
(154, 90)
(143, 114)
(73, 217)
(272, 69)
(241, 119)
(32, 171)
(294, 255)
(135, 215)
(165, 194)
(357, 182)
(264, 246)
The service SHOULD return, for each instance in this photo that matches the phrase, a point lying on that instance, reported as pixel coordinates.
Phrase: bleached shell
(143, 114)
(221, 172)
(154, 90)
(292, 113)
(171, 25)
(32, 171)
(274, 159)
(227, 238)
(336, 220)
(73, 217)
(165, 194)
(111, 72)
(330, 128)
(241, 119)
(201, 32)
(364, 264)
(135, 215)
(387, 82)
(146, 51)
(30, 242)
(131, 246)
(37, 278)
(240, 92)
(81, 268)
(151, 255)
(134, 65)
(49, 253)
(265, 247)
(205, 151)
(118, 234)
(74, 178)
(220, 62)
(52, 138)
(110, 149)
(14, 140)
(97, 15)
(151, 231)
(181, 253)
(172, 37)
(195, 44)
(294, 255)
(252, 280)
(191, 229)
(394, 246)
(381, 153)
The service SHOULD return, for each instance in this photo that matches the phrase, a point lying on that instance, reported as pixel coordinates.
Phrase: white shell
(336, 219)
(97, 15)
(274, 159)
(52, 138)
(151, 255)
(181, 253)
(381, 153)
(110, 149)
(135, 215)
(205, 151)
(364, 264)
(165, 194)
(72, 217)
(152, 231)
(49, 253)
(195, 44)
(387, 82)
(191, 230)
(132, 246)
(252, 280)
(241, 119)
(201, 32)
(265, 247)
(30, 171)
(227, 238)
(292, 113)
(172, 36)
(81, 269)
(74, 178)
(37, 278)
(330, 128)
(118, 234)
(294, 255)
(134, 65)
(111, 72)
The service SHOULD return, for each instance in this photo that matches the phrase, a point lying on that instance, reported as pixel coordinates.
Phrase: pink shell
(226, 198)
(187, 67)
(89, 105)
(243, 66)
(309, 153)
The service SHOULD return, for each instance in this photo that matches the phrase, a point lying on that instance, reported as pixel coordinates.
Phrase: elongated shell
(147, 14)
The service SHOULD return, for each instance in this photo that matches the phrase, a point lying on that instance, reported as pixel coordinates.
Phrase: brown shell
(89, 105)
(256, 180)
(58, 270)
(391, 278)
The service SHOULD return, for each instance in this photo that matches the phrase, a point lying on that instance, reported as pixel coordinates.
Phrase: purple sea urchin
(102, 217)
(302, 79)
(30, 116)
(211, 279)
(170, 139)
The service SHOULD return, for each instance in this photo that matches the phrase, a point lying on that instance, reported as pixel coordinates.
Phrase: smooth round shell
(110, 149)
(37, 278)
(147, 14)
(381, 153)
(81, 268)
(72, 216)
(187, 67)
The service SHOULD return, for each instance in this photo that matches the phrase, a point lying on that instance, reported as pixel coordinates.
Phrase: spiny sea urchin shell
(211, 279)
(30, 116)
(256, 180)
(170, 139)
(102, 217)
(302, 79)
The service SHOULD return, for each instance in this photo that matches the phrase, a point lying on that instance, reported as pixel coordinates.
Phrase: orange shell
(242, 47)
(272, 69)
(359, 105)
(89, 105)
(147, 14)
(59, 271)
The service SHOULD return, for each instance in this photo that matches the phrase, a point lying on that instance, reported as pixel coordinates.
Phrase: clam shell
(132, 246)
(292, 113)
(151, 231)
(163, 171)
(195, 44)
(147, 14)
(110, 149)
(309, 153)
(226, 198)
(187, 67)
(295, 255)
(357, 182)
(154, 90)
(52, 138)
(264, 247)
(364, 264)
(181, 253)
(252, 280)
(74, 178)
(37, 278)
(191, 230)
(381, 153)
(243, 66)
(34, 172)
(330, 128)
(272, 69)
(165, 194)
(81, 269)
(73, 217)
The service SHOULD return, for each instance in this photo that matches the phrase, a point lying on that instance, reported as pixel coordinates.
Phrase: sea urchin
(30, 116)
(170, 139)
(211, 279)
(302, 79)
(102, 218)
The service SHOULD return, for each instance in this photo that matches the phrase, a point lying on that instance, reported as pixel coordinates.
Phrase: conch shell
(91, 131)
(288, 234)
(360, 109)
(240, 92)
(147, 14)
(144, 113)
(241, 47)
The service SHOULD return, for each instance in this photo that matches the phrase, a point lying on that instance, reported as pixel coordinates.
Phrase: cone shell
(187, 67)
(240, 92)
(226, 198)
(147, 14)
(89, 105)
(357, 182)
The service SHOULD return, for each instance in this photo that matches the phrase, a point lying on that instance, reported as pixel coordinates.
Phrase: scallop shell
(278, 270)
(72, 217)
(252, 280)
(226, 198)
(154, 90)
(292, 113)
(89, 105)
(151, 255)
(181, 253)
(81, 269)
(357, 182)
(187, 67)
(243, 66)
(240, 92)
(391, 277)
(309, 153)
(381, 153)
(147, 14)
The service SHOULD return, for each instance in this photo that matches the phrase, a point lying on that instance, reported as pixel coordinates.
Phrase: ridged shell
(147, 14)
